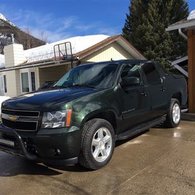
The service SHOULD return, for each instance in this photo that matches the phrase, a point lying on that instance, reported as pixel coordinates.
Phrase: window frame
(2, 85)
(5, 83)
(29, 73)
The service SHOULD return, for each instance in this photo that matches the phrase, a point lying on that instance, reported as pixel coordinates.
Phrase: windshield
(91, 75)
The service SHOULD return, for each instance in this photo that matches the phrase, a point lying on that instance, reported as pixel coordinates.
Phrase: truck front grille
(20, 120)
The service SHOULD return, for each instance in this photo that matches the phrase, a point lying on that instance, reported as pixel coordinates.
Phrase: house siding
(113, 51)
(13, 83)
(14, 55)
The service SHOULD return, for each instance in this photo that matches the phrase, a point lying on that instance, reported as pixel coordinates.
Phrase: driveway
(160, 161)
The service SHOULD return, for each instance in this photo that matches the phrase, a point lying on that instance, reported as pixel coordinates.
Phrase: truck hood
(47, 100)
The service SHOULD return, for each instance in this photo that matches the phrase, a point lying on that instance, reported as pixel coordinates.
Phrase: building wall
(37, 78)
(113, 51)
(13, 83)
(14, 55)
(18, 86)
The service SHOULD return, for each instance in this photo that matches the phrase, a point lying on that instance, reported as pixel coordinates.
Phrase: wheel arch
(108, 115)
(177, 96)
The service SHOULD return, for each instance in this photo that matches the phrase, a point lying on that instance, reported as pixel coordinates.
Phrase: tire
(173, 117)
(97, 144)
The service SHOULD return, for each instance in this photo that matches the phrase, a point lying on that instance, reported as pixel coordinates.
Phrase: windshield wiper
(58, 87)
(72, 85)
(82, 85)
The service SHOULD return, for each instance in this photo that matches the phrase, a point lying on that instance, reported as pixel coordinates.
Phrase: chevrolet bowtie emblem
(13, 118)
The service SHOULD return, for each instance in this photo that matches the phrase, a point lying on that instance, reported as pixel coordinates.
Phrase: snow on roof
(2, 17)
(191, 15)
(78, 43)
(46, 52)
(2, 61)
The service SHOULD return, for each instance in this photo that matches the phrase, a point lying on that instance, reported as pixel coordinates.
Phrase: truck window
(99, 75)
(130, 71)
(151, 73)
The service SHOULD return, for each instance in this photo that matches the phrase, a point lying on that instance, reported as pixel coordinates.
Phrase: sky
(54, 20)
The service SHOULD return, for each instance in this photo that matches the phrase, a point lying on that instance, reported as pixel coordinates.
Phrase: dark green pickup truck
(80, 118)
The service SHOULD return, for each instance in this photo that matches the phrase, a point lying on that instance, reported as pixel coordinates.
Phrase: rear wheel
(97, 144)
(174, 115)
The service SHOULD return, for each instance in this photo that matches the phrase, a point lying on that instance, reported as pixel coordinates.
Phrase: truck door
(134, 99)
(156, 87)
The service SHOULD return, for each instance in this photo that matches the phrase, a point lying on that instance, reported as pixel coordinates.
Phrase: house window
(33, 85)
(25, 82)
(28, 82)
(5, 83)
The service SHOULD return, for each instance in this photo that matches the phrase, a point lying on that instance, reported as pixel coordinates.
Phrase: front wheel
(174, 114)
(97, 144)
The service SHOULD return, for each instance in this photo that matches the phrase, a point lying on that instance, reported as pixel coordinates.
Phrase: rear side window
(152, 75)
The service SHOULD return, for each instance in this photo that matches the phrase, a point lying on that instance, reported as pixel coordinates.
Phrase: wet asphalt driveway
(160, 161)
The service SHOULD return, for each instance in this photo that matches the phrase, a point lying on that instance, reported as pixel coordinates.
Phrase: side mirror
(130, 81)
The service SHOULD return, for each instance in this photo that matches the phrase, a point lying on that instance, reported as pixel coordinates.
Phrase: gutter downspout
(182, 34)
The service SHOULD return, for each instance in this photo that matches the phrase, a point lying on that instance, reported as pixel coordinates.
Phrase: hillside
(9, 30)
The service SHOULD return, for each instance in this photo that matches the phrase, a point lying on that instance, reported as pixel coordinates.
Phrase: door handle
(143, 93)
(163, 89)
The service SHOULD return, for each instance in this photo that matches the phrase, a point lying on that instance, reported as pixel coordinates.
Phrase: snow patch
(191, 15)
(46, 52)
(2, 17)
(2, 61)
(2, 99)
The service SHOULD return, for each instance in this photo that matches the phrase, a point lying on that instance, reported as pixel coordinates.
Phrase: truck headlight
(56, 119)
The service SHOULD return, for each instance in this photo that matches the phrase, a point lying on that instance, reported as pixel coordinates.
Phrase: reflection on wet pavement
(161, 161)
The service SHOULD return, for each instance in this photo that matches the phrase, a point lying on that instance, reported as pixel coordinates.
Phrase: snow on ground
(78, 43)
(2, 61)
(191, 15)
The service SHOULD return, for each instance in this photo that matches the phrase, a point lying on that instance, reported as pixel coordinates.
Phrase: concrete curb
(188, 116)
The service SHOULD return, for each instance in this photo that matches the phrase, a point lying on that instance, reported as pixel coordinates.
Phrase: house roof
(79, 43)
(189, 23)
(186, 24)
(46, 52)
(119, 39)
(82, 47)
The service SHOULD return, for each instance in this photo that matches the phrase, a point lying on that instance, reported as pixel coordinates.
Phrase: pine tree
(145, 28)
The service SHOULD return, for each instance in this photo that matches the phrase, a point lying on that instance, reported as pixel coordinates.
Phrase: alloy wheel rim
(101, 145)
(176, 113)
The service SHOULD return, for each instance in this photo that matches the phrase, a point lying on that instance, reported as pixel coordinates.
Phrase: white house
(24, 71)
